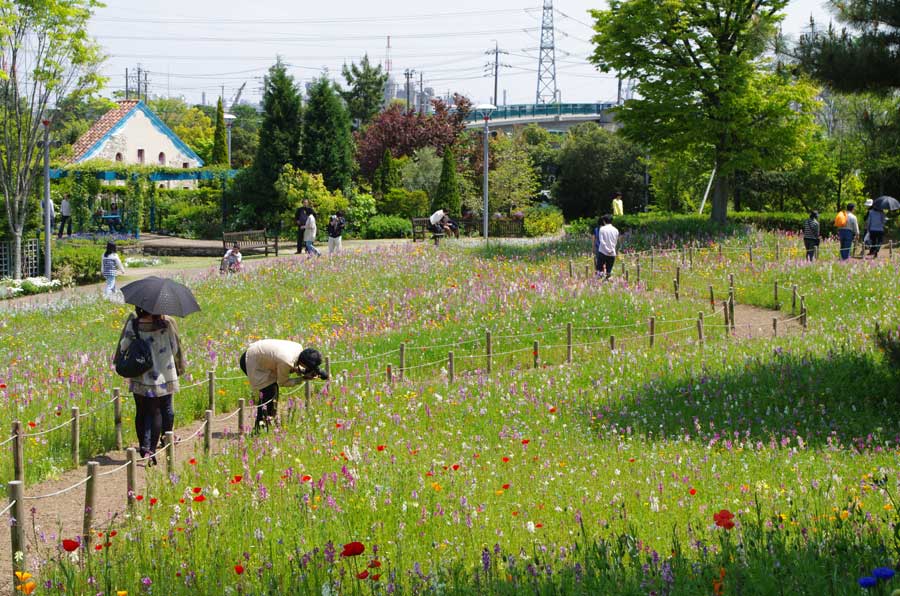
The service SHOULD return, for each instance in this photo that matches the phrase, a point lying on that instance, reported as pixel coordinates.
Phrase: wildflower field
(735, 465)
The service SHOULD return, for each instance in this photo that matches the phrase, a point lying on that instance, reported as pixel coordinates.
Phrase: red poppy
(380, 448)
(631, 460)
(353, 549)
(153, 501)
(193, 461)
(429, 473)
(455, 467)
(199, 499)
(98, 547)
(525, 441)
(505, 486)
(362, 574)
(538, 525)
(239, 569)
(181, 501)
(376, 577)
(505, 459)
(113, 534)
(32, 424)
(515, 513)
(374, 564)
(2, 385)
(306, 478)
(197, 490)
(337, 425)
(70, 545)
(139, 497)
(553, 409)
(236, 478)
(693, 491)
(724, 519)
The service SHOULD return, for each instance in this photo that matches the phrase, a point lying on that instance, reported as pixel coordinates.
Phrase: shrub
(190, 213)
(77, 262)
(581, 226)
(542, 221)
(362, 207)
(404, 203)
(387, 226)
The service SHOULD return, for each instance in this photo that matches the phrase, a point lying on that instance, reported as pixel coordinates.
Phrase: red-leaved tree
(403, 132)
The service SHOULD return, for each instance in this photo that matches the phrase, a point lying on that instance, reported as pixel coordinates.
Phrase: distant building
(132, 134)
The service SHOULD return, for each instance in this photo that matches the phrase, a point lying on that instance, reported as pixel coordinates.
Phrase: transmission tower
(546, 81)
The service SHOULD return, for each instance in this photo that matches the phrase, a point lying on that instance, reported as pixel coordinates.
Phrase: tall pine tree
(280, 142)
(387, 175)
(220, 146)
(365, 94)
(327, 142)
(447, 195)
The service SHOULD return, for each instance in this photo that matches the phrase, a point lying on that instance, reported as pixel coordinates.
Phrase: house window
(118, 157)
(140, 156)
(162, 158)
(184, 165)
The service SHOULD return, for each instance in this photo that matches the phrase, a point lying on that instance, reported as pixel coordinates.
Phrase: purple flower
(485, 559)
(329, 552)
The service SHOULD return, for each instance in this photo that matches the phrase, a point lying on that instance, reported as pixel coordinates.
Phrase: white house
(132, 134)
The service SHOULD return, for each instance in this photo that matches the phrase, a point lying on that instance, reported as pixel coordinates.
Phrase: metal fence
(31, 258)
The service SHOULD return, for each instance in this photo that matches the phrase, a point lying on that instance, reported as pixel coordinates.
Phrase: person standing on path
(309, 234)
(65, 217)
(606, 236)
(269, 363)
(335, 229)
(811, 235)
(617, 207)
(848, 231)
(875, 230)
(300, 219)
(52, 215)
(110, 267)
(153, 391)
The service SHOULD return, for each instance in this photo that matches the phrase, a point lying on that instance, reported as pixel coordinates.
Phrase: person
(848, 231)
(309, 234)
(269, 364)
(300, 219)
(335, 229)
(874, 229)
(52, 215)
(154, 390)
(811, 235)
(439, 223)
(231, 262)
(606, 236)
(65, 214)
(617, 207)
(110, 267)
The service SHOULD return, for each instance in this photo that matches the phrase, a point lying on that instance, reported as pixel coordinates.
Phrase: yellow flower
(27, 587)
(121, 592)
(845, 514)
(23, 576)
(888, 507)
(436, 486)
(499, 491)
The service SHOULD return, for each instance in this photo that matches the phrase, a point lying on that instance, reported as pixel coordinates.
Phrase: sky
(189, 48)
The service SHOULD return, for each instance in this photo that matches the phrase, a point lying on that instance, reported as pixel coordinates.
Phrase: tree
(513, 182)
(365, 93)
(296, 186)
(387, 176)
(191, 124)
(219, 155)
(694, 61)
(422, 172)
(281, 129)
(447, 194)
(244, 135)
(327, 142)
(49, 58)
(543, 149)
(593, 164)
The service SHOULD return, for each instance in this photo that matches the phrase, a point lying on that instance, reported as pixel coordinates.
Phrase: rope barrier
(8, 507)
(364, 358)
(11, 438)
(193, 436)
(49, 430)
(182, 388)
(59, 492)
(114, 470)
(230, 416)
(231, 378)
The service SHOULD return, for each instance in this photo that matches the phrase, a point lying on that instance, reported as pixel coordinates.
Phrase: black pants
(300, 243)
(811, 244)
(268, 399)
(875, 239)
(64, 222)
(155, 416)
(604, 262)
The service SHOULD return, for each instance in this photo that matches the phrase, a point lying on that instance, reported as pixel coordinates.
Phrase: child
(110, 267)
(335, 231)
(231, 262)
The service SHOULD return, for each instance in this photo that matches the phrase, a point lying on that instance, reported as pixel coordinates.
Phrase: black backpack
(136, 359)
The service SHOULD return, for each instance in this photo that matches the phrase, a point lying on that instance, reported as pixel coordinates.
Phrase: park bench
(420, 228)
(253, 240)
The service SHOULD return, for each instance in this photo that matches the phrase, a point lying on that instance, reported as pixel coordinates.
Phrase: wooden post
(307, 392)
(891, 250)
(536, 353)
(775, 287)
(569, 341)
(691, 253)
(803, 311)
(731, 310)
(712, 298)
(170, 452)
(731, 281)
(587, 270)
(675, 283)
(211, 389)
(17, 527)
(626, 274)
(207, 432)
(793, 298)
(720, 251)
(725, 311)
(18, 452)
(76, 434)
(130, 476)
(774, 326)
(652, 330)
(612, 343)
(678, 275)
(488, 350)
(571, 269)
(328, 366)
(639, 270)
(117, 405)
(777, 255)
(402, 360)
(90, 501)
(700, 327)
(682, 255)
(241, 424)
(751, 253)
(389, 375)
(451, 373)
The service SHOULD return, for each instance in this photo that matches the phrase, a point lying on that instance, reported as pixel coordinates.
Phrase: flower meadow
(735, 466)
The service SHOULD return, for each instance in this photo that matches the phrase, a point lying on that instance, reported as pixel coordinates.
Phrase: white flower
(530, 527)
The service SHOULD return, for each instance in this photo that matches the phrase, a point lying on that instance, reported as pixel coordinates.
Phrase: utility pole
(127, 96)
(496, 68)
(421, 93)
(408, 73)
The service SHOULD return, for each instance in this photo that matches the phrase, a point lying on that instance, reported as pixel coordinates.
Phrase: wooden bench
(419, 228)
(254, 240)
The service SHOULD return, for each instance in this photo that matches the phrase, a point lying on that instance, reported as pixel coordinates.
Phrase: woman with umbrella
(155, 298)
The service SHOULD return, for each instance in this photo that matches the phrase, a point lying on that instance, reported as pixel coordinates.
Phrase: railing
(538, 110)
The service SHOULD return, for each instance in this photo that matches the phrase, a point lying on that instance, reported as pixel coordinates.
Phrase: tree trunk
(719, 199)
(17, 254)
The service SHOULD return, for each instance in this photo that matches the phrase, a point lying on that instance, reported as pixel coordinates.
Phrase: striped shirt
(810, 228)
(111, 265)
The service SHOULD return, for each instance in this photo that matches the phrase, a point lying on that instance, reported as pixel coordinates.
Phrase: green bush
(77, 262)
(404, 203)
(387, 226)
(543, 221)
(581, 226)
(190, 213)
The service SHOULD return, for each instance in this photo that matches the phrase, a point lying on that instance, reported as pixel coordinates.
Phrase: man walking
(606, 236)
(65, 214)
(848, 231)
(811, 235)
(300, 219)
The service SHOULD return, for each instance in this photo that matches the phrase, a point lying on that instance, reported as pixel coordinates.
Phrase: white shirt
(272, 361)
(65, 209)
(607, 237)
(52, 206)
(309, 231)
(436, 217)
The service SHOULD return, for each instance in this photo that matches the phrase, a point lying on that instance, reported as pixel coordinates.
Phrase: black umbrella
(160, 296)
(885, 203)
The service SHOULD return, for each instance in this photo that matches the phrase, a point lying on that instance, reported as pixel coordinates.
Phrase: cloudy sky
(188, 48)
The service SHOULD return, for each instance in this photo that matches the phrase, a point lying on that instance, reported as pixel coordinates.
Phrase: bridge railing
(543, 110)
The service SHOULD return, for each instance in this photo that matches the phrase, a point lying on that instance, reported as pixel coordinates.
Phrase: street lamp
(229, 120)
(48, 210)
(485, 110)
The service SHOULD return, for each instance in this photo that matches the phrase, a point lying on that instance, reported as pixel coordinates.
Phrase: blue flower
(883, 572)
(868, 581)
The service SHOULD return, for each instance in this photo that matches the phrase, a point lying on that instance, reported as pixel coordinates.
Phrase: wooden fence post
(720, 251)
(675, 283)
(90, 501)
(170, 452)
(678, 275)
(774, 326)
(571, 269)
(569, 342)
(402, 360)
(488, 350)
(682, 255)
(751, 253)
(638, 269)
(652, 330)
(626, 273)
(17, 528)
(451, 373)
(207, 432)
(731, 281)
(241, 423)
(725, 310)
(117, 416)
(307, 392)
(587, 271)
(712, 298)
(211, 389)
(130, 476)
(18, 452)
(612, 343)
(891, 250)
(775, 287)
(328, 366)
(536, 353)
(793, 298)
(389, 375)
(731, 310)
(803, 311)
(76, 434)
(700, 327)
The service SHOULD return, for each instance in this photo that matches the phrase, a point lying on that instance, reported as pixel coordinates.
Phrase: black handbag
(136, 359)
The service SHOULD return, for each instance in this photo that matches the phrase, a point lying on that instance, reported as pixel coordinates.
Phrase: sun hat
(868, 203)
